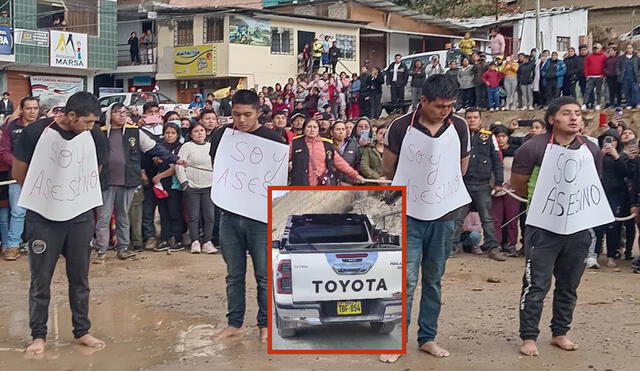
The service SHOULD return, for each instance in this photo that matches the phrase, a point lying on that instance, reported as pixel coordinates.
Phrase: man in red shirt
(594, 72)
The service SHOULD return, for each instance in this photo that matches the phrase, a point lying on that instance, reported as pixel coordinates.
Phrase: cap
(298, 114)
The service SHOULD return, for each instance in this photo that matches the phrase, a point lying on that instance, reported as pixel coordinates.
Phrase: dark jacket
(580, 70)
(6, 109)
(351, 155)
(133, 44)
(615, 173)
(526, 73)
(9, 140)
(621, 67)
(403, 74)
(225, 107)
(375, 85)
(334, 54)
(572, 64)
(478, 70)
(418, 76)
(452, 73)
(484, 160)
(611, 66)
(300, 163)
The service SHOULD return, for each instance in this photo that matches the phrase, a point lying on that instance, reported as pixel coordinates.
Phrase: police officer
(484, 161)
(57, 161)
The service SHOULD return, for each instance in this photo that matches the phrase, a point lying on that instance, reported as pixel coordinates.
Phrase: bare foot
(89, 341)
(434, 349)
(529, 348)
(563, 343)
(264, 335)
(35, 349)
(228, 332)
(389, 358)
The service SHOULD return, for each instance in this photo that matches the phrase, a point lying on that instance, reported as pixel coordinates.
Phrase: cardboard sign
(568, 196)
(245, 165)
(430, 168)
(63, 180)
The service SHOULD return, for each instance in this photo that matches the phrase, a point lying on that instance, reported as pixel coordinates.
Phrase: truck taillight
(283, 277)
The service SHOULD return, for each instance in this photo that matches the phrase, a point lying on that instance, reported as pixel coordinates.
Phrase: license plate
(349, 307)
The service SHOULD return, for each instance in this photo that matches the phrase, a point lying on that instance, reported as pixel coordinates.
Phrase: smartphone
(608, 142)
(525, 123)
(156, 119)
(365, 134)
(633, 144)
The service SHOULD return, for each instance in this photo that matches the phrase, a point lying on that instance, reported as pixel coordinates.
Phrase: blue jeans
(237, 236)
(428, 246)
(631, 92)
(4, 227)
(470, 239)
(16, 224)
(494, 97)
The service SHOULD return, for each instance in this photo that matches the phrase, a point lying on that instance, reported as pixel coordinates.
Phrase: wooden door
(186, 95)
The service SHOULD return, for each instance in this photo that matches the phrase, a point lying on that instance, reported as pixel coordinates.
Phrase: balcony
(145, 62)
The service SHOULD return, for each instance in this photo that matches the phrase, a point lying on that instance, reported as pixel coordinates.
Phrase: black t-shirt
(27, 144)
(261, 131)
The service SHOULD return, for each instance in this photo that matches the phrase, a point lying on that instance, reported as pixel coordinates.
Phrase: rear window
(328, 233)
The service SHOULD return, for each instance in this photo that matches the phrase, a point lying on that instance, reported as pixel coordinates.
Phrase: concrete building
(56, 50)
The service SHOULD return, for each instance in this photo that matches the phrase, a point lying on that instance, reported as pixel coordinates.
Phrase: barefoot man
(247, 158)
(57, 163)
(558, 171)
(428, 151)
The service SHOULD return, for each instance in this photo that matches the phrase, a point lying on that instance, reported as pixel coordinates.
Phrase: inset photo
(337, 279)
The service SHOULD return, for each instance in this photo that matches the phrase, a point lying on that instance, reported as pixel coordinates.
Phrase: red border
(404, 275)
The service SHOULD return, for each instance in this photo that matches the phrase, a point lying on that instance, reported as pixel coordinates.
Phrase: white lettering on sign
(245, 165)
(62, 181)
(568, 196)
(430, 168)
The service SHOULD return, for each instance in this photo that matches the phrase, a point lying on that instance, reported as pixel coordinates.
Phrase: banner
(244, 166)
(32, 37)
(55, 90)
(249, 31)
(62, 181)
(6, 40)
(198, 60)
(68, 49)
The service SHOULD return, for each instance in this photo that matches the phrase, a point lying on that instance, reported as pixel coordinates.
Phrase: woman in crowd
(170, 208)
(346, 147)
(362, 132)
(418, 75)
(371, 161)
(630, 147)
(349, 125)
(196, 184)
(197, 102)
(311, 102)
(315, 161)
(376, 81)
(354, 97)
(467, 86)
(289, 97)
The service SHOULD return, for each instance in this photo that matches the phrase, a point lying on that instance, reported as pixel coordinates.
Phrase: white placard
(245, 165)
(63, 179)
(68, 49)
(568, 196)
(430, 168)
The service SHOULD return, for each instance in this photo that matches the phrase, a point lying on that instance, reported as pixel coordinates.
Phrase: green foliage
(454, 8)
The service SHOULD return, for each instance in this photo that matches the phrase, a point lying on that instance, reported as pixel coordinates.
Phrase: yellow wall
(256, 63)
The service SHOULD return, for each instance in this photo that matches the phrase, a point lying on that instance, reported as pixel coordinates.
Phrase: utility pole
(497, 5)
(538, 25)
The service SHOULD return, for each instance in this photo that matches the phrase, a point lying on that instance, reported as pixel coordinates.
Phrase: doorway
(305, 38)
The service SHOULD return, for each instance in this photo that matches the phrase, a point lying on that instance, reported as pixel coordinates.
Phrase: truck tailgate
(346, 275)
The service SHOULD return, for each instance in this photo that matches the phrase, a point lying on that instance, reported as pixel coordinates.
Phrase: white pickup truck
(138, 99)
(336, 269)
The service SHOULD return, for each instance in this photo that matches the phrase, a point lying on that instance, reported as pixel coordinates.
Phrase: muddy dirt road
(159, 312)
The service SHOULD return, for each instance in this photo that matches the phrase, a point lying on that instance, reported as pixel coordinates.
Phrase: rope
(7, 182)
(385, 181)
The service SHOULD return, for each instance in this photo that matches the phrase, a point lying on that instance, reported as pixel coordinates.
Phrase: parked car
(632, 36)
(336, 269)
(138, 99)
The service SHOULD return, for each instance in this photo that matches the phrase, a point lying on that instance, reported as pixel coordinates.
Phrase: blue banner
(6, 40)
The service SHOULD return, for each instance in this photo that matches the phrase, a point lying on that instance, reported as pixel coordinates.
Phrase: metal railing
(146, 55)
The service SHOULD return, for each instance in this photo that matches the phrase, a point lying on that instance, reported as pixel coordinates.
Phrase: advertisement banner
(198, 60)
(249, 31)
(32, 37)
(55, 90)
(68, 49)
(6, 40)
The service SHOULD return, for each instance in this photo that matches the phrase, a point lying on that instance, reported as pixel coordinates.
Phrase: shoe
(195, 247)
(125, 254)
(584, 107)
(628, 107)
(597, 108)
(531, 108)
(477, 250)
(176, 247)
(164, 246)
(592, 263)
(12, 254)
(24, 247)
(611, 262)
(510, 251)
(150, 244)
(100, 257)
(186, 239)
(628, 256)
(209, 248)
(496, 254)
(523, 108)
(636, 269)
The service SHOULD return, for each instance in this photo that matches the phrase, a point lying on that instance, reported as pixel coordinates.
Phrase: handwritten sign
(568, 196)
(430, 168)
(245, 165)
(62, 181)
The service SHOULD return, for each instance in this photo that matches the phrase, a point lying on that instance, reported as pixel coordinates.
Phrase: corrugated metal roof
(404, 11)
(481, 22)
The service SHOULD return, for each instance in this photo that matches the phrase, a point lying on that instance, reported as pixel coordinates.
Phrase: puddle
(136, 336)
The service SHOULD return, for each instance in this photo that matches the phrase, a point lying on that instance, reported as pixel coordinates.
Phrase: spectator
(315, 161)
(279, 125)
(526, 74)
(480, 66)
(353, 95)
(311, 102)
(365, 97)
(418, 75)
(334, 56)
(491, 79)
(347, 147)
(628, 71)
(397, 76)
(611, 75)
(326, 45)
(533, 55)
(467, 44)
(371, 162)
(572, 61)
(196, 184)
(510, 71)
(197, 102)
(553, 72)
(471, 233)
(496, 42)
(538, 80)
(467, 86)
(209, 120)
(434, 68)
(349, 125)
(134, 48)
(225, 103)
(583, 51)
(362, 132)
(297, 120)
(6, 106)
(375, 93)
(317, 55)
(148, 43)
(594, 72)
(453, 71)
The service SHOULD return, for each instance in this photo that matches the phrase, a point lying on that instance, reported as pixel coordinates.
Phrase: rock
(493, 279)
(477, 289)
(617, 270)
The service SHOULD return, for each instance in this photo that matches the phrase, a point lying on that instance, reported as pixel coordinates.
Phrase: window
(281, 40)
(183, 32)
(213, 29)
(69, 15)
(347, 46)
(563, 43)
(109, 100)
